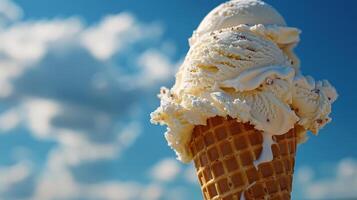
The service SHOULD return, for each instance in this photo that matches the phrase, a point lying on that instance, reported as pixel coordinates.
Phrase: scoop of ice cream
(237, 12)
(251, 12)
(312, 102)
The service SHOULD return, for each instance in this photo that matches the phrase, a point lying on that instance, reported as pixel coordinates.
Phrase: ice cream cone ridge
(224, 152)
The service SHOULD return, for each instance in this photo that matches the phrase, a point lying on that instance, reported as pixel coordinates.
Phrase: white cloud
(156, 67)
(177, 193)
(25, 43)
(13, 175)
(8, 70)
(105, 190)
(75, 149)
(57, 173)
(120, 191)
(9, 120)
(39, 113)
(190, 174)
(153, 67)
(9, 11)
(115, 33)
(128, 135)
(152, 192)
(56, 182)
(304, 174)
(124, 191)
(29, 41)
(165, 170)
(35, 113)
(342, 184)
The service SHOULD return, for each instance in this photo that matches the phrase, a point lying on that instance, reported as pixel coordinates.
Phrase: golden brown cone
(224, 151)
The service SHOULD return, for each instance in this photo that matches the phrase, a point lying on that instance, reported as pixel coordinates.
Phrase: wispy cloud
(190, 175)
(12, 175)
(166, 170)
(116, 33)
(156, 68)
(9, 12)
(25, 43)
(125, 191)
(9, 120)
(341, 184)
(48, 188)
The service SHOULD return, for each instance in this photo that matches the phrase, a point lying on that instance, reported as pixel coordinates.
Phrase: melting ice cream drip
(267, 154)
(242, 197)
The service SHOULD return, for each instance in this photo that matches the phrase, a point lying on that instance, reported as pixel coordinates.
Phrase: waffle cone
(224, 152)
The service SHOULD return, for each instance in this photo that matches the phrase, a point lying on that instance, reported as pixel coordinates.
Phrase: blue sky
(79, 78)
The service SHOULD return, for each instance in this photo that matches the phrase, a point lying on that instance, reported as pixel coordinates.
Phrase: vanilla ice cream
(236, 12)
(241, 64)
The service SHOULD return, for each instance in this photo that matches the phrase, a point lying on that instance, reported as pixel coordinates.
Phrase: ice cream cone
(242, 64)
(224, 152)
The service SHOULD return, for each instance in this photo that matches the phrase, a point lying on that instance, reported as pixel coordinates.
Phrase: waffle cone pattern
(224, 151)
